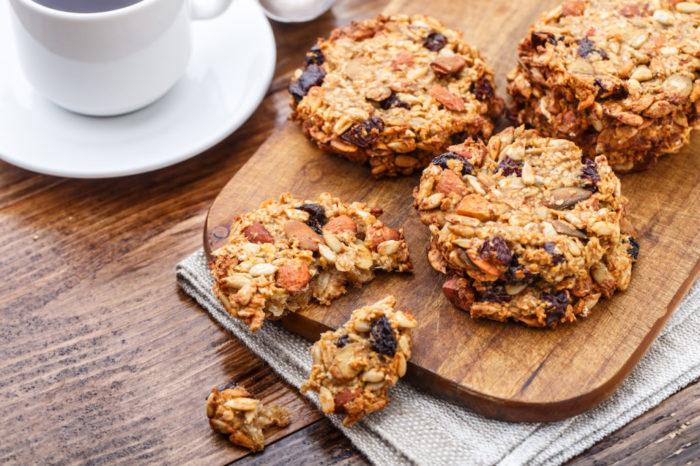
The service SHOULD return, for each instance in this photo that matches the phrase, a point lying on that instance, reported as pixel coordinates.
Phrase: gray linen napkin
(416, 427)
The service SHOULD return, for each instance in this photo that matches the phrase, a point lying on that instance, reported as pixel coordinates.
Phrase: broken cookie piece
(280, 256)
(355, 365)
(243, 418)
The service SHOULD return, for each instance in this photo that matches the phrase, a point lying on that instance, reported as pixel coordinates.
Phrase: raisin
(618, 92)
(342, 341)
(441, 161)
(312, 76)
(633, 250)
(517, 274)
(590, 173)
(495, 249)
(559, 301)
(540, 39)
(587, 47)
(363, 134)
(495, 293)
(482, 89)
(382, 338)
(317, 216)
(508, 167)
(550, 248)
(314, 56)
(393, 101)
(435, 41)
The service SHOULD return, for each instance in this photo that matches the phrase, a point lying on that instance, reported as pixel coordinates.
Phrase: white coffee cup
(111, 62)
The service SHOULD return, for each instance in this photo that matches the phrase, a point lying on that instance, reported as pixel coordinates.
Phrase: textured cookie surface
(355, 365)
(533, 232)
(243, 418)
(393, 92)
(280, 256)
(620, 78)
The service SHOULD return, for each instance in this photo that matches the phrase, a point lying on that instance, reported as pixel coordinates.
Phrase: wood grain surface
(104, 360)
(564, 372)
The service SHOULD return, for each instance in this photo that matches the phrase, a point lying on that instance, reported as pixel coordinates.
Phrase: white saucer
(233, 60)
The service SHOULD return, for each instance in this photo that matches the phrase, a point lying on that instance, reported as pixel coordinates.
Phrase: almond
(376, 235)
(303, 235)
(459, 292)
(293, 276)
(257, 233)
(444, 66)
(475, 206)
(449, 182)
(341, 224)
(447, 98)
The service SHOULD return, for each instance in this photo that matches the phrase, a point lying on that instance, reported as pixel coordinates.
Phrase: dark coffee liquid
(86, 6)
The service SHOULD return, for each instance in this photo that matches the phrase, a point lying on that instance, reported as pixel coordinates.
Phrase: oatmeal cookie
(533, 231)
(393, 91)
(243, 418)
(618, 77)
(355, 365)
(288, 251)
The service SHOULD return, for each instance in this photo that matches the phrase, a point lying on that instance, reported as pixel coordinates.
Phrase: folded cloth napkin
(417, 427)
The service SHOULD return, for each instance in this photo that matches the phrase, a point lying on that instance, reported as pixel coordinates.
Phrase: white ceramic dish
(232, 63)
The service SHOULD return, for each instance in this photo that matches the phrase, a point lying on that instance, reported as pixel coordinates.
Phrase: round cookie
(534, 232)
(618, 77)
(393, 92)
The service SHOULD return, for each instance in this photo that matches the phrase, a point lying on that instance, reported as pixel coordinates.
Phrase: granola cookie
(355, 365)
(393, 91)
(618, 77)
(234, 412)
(532, 231)
(279, 257)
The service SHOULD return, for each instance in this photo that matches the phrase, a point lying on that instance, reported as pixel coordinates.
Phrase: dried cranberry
(482, 89)
(508, 167)
(587, 47)
(590, 173)
(435, 41)
(312, 76)
(517, 274)
(314, 56)
(382, 338)
(317, 216)
(495, 249)
(441, 161)
(633, 250)
(540, 39)
(342, 341)
(363, 134)
(393, 101)
(618, 92)
(495, 293)
(550, 248)
(559, 301)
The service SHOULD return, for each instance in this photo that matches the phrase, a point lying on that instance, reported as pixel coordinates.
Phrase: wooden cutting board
(506, 371)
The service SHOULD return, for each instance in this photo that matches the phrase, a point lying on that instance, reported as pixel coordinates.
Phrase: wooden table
(104, 359)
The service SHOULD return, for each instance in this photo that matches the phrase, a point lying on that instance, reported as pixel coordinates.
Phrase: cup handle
(207, 9)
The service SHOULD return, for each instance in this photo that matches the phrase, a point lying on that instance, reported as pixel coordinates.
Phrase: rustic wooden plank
(460, 358)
